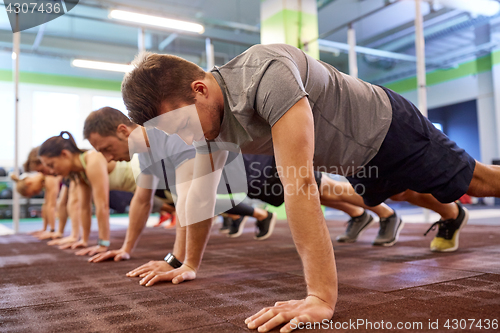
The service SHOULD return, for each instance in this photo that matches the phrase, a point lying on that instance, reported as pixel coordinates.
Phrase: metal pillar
(353, 57)
(420, 52)
(141, 39)
(421, 73)
(209, 50)
(15, 57)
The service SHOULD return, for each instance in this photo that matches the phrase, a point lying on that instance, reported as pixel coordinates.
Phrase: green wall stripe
(281, 211)
(284, 28)
(61, 80)
(473, 67)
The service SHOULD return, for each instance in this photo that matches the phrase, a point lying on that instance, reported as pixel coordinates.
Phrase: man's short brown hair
(155, 79)
(105, 122)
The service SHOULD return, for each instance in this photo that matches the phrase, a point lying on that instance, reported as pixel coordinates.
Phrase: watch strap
(172, 261)
(105, 243)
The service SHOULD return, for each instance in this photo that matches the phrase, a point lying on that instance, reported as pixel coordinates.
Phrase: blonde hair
(21, 186)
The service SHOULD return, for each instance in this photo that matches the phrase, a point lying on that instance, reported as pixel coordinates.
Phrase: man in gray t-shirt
(117, 138)
(261, 85)
(166, 154)
(275, 99)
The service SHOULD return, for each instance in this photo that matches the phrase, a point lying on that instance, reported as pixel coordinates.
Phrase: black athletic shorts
(263, 180)
(414, 155)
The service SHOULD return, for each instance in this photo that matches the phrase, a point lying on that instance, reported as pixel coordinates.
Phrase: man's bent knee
(403, 196)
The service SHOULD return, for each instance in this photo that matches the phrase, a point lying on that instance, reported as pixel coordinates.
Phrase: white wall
(53, 119)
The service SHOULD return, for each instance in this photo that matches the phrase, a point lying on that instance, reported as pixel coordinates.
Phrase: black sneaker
(390, 227)
(355, 226)
(236, 228)
(266, 226)
(226, 223)
(446, 239)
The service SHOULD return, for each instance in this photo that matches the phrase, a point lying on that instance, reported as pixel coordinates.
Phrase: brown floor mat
(44, 289)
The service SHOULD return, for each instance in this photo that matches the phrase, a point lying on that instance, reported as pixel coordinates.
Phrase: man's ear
(199, 88)
(123, 130)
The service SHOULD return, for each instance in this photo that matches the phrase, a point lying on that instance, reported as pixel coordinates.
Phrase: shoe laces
(443, 230)
(350, 223)
(383, 225)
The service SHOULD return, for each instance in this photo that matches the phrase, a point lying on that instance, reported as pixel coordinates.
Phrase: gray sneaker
(390, 228)
(355, 226)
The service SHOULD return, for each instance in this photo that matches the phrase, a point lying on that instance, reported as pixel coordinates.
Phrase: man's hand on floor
(90, 251)
(36, 233)
(63, 241)
(292, 313)
(49, 235)
(178, 275)
(159, 266)
(73, 245)
(116, 255)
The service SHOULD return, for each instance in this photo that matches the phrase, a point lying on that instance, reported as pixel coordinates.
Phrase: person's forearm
(200, 203)
(63, 216)
(75, 220)
(86, 222)
(73, 209)
(196, 241)
(50, 212)
(312, 239)
(197, 233)
(44, 217)
(179, 250)
(102, 215)
(138, 216)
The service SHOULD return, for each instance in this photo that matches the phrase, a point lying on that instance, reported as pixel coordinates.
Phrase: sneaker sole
(271, 229)
(351, 240)
(240, 228)
(466, 219)
(394, 241)
(224, 231)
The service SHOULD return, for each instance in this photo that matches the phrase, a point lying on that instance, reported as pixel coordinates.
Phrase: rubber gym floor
(44, 289)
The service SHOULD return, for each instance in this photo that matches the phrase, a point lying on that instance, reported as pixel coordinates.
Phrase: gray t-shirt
(166, 154)
(351, 117)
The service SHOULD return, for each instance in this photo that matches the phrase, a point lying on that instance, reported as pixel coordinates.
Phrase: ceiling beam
(167, 41)
(323, 3)
(330, 46)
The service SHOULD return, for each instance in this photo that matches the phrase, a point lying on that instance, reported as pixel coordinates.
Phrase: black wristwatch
(172, 261)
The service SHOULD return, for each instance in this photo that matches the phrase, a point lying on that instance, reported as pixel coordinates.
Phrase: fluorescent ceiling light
(478, 7)
(105, 66)
(156, 21)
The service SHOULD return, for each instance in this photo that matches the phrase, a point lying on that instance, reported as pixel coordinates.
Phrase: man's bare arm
(307, 224)
(149, 271)
(200, 203)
